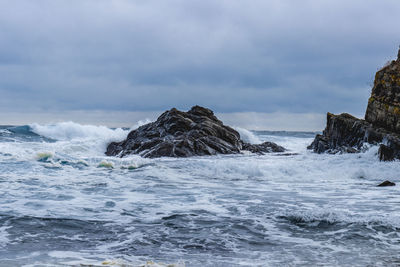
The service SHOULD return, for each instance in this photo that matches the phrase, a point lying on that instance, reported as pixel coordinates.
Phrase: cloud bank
(305, 57)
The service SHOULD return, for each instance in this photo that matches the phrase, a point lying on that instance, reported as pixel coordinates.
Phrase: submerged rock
(345, 133)
(387, 183)
(176, 133)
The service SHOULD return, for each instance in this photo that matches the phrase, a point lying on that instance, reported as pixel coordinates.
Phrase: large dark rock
(345, 133)
(183, 134)
(384, 104)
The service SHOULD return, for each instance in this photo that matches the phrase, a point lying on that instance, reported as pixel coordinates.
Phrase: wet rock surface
(266, 147)
(384, 104)
(347, 134)
(175, 133)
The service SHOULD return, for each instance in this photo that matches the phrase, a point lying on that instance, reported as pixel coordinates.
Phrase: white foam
(4, 235)
(5, 131)
(67, 131)
(293, 144)
(75, 143)
(338, 189)
(342, 216)
(77, 139)
(86, 259)
(248, 136)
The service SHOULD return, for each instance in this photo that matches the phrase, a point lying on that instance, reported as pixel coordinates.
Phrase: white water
(248, 136)
(65, 202)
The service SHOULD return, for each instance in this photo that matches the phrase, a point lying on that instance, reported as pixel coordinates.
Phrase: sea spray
(248, 136)
(224, 210)
(105, 164)
(71, 131)
(87, 139)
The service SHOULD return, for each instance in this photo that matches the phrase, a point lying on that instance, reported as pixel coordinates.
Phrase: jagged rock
(266, 147)
(320, 144)
(183, 134)
(387, 183)
(345, 133)
(384, 104)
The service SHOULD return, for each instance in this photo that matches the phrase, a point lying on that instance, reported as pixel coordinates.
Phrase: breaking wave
(64, 131)
(248, 136)
(67, 203)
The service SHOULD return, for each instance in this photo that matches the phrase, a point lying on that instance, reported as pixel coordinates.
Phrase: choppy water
(62, 202)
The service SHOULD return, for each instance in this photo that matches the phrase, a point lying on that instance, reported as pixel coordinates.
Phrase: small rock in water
(387, 183)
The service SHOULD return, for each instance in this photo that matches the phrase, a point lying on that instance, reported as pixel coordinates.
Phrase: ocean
(64, 203)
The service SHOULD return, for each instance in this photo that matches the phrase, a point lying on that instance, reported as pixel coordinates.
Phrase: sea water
(64, 203)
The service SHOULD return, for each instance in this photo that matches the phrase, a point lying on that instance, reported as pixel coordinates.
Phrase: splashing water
(65, 203)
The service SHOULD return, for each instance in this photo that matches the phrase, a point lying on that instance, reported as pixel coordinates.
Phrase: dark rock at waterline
(286, 154)
(175, 133)
(343, 133)
(386, 153)
(387, 183)
(266, 147)
(347, 134)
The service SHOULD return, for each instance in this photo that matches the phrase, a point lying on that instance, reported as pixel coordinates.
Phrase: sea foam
(70, 131)
(224, 210)
(248, 136)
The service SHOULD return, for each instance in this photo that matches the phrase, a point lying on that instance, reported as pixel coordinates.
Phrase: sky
(278, 65)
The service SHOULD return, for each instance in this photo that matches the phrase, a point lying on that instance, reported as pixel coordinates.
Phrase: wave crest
(248, 136)
(65, 131)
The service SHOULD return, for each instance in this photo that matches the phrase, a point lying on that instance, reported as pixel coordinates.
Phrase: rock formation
(183, 134)
(345, 133)
(384, 104)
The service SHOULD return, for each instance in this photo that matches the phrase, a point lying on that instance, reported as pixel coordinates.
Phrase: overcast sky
(259, 58)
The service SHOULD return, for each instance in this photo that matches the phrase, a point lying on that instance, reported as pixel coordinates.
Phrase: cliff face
(384, 104)
(345, 133)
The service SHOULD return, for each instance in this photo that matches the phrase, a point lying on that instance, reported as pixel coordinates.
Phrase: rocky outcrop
(266, 147)
(384, 104)
(345, 133)
(183, 134)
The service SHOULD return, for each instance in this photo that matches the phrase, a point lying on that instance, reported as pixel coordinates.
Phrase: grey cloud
(232, 56)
